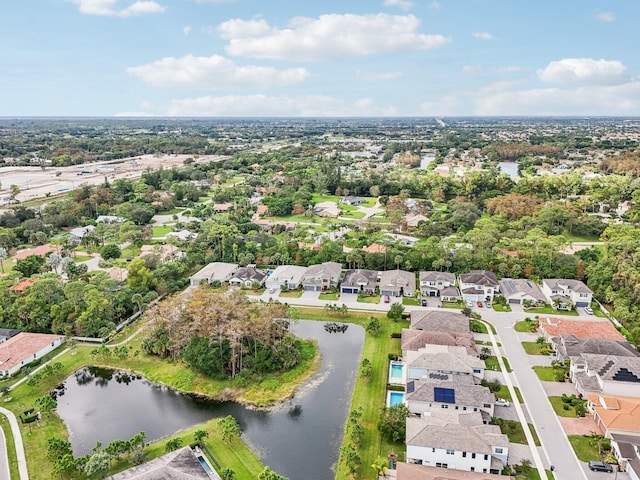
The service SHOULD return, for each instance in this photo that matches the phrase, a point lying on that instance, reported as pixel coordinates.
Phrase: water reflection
(101, 405)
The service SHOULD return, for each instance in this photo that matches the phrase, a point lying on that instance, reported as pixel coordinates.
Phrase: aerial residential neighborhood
(475, 335)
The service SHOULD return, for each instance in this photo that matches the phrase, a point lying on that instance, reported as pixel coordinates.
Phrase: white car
(588, 310)
(502, 402)
(470, 304)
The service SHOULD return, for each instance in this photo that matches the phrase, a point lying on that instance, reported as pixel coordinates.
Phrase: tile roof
(480, 277)
(443, 358)
(23, 285)
(411, 471)
(23, 346)
(602, 329)
(619, 413)
(396, 279)
(375, 248)
(571, 346)
(41, 251)
(439, 321)
(417, 339)
(180, 464)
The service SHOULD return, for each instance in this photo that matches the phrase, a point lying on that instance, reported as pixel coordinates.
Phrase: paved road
(4, 457)
(555, 444)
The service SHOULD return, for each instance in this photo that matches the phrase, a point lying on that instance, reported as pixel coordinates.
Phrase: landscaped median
(270, 388)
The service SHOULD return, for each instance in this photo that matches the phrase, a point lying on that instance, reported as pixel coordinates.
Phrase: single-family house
(455, 392)
(520, 291)
(23, 285)
(221, 207)
(406, 240)
(415, 471)
(359, 280)
(456, 440)
(286, 277)
(40, 250)
(431, 283)
(327, 209)
(608, 374)
(216, 271)
(626, 449)
(450, 294)
(77, 234)
(7, 333)
(247, 277)
(601, 328)
(570, 347)
(441, 320)
(165, 253)
(182, 235)
(417, 339)
(478, 285)
(413, 221)
(398, 283)
(110, 219)
(355, 201)
(24, 348)
(614, 414)
(319, 278)
(374, 248)
(442, 360)
(564, 293)
(184, 463)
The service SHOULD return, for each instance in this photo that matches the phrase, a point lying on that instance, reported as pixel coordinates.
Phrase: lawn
(352, 214)
(548, 310)
(525, 326)
(513, 430)
(491, 363)
(477, 327)
(318, 198)
(375, 299)
(174, 211)
(81, 258)
(585, 447)
(161, 231)
(369, 202)
(410, 301)
(130, 251)
(328, 296)
(459, 305)
(291, 293)
(559, 407)
(547, 374)
(535, 348)
(501, 308)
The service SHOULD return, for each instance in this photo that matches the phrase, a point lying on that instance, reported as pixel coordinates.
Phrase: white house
(478, 285)
(24, 348)
(519, 290)
(322, 277)
(560, 292)
(77, 234)
(397, 283)
(287, 277)
(216, 271)
(454, 392)
(432, 283)
(247, 277)
(609, 374)
(456, 440)
(442, 360)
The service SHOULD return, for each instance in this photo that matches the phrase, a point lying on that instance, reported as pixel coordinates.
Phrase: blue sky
(323, 58)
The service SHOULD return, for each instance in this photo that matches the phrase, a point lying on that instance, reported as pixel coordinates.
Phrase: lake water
(298, 440)
(426, 160)
(510, 168)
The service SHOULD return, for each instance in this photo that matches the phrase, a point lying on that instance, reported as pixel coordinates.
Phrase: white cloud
(186, 30)
(327, 37)
(264, 105)
(584, 70)
(374, 76)
(471, 69)
(213, 72)
(606, 16)
(403, 4)
(504, 98)
(111, 8)
(482, 35)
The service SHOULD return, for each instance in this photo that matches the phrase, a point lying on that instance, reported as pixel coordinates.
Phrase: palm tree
(200, 435)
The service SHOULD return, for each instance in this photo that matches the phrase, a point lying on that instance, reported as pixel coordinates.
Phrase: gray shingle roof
(439, 321)
(571, 346)
(359, 277)
(180, 464)
(480, 277)
(437, 277)
(466, 391)
(416, 339)
(566, 284)
(520, 286)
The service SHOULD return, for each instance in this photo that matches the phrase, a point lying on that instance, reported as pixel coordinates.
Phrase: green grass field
(328, 296)
(535, 348)
(548, 310)
(375, 299)
(584, 446)
(291, 293)
(525, 326)
(161, 231)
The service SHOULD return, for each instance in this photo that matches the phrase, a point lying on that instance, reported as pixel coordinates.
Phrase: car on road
(469, 304)
(588, 310)
(489, 305)
(502, 402)
(272, 290)
(386, 299)
(479, 304)
(424, 302)
(600, 467)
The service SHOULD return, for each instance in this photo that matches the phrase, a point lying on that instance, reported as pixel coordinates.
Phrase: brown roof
(23, 285)
(375, 248)
(410, 471)
(41, 251)
(619, 413)
(22, 347)
(262, 209)
(603, 329)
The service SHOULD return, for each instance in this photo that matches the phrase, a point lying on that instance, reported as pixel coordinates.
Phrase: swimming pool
(205, 465)
(396, 370)
(395, 398)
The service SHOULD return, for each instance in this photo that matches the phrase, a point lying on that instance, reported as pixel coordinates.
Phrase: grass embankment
(491, 363)
(513, 430)
(369, 394)
(269, 389)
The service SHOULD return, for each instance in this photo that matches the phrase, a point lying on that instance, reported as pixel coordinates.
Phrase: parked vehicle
(600, 467)
(386, 299)
(424, 302)
(469, 304)
(588, 310)
(502, 402)
(479, 304)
